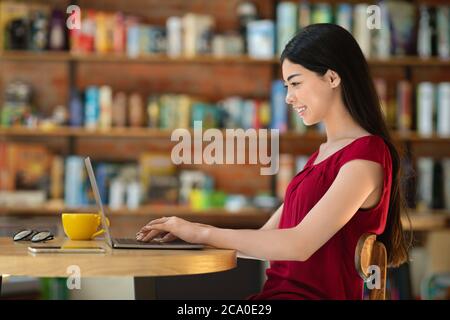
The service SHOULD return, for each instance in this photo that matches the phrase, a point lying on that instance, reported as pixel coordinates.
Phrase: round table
(141, 264)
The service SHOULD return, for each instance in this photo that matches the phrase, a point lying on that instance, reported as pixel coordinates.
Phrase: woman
(350, 186)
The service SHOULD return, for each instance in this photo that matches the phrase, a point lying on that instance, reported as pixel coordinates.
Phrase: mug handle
(101, 231)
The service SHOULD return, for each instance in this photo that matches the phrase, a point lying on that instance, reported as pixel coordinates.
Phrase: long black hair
(320, 47)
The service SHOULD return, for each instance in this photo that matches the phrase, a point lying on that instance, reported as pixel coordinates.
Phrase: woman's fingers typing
(156, 221)
(159, 229)
(149, 235)
(150, 232)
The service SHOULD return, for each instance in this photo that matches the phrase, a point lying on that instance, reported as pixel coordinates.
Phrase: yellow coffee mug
(82, 226)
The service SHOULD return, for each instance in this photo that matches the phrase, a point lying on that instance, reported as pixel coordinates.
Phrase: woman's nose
(289, 98)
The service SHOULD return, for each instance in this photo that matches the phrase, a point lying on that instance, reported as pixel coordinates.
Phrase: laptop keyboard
(140, 243)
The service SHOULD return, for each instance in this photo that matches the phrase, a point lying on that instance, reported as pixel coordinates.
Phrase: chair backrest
(370, 252)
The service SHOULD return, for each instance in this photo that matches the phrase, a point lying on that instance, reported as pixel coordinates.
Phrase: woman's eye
(293, 84)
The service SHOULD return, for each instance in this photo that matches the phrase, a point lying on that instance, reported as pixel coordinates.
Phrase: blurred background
(111, 79)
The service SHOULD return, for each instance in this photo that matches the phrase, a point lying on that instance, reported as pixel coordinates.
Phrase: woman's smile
(300, 110)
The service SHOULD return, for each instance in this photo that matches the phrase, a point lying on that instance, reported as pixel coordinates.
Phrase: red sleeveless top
(330, 272)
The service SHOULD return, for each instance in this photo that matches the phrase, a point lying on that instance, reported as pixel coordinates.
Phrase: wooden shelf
(246, 218)
(44, 56)
(166, 133)
(82, 132)
(24, 131)
(207, 59)
(62, 56)
(165, 210)
(409, 61)
(415, 137)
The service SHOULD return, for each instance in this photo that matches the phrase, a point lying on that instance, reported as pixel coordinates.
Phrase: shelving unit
(73, 140)
(54, 73)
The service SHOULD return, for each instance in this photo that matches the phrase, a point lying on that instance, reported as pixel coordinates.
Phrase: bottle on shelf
(287, 24)
(443, 109)
(425, 108)
(119, 110)
(57, 36)
(260, 39)
(246, 12)
(133, 195)
(443, 31)
(136, 113)
(92, 108)
(424, 33)
(174, 36)
(117, 194)
(75, 108)
(105, 97)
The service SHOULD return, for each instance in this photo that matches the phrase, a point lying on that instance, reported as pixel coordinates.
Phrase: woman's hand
(171, 228)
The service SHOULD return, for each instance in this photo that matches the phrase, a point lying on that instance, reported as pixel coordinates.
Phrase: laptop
(130, 243)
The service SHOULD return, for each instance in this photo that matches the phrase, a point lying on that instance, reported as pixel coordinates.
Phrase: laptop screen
(98, 200)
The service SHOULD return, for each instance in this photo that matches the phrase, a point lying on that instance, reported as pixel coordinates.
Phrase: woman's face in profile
(307, 92)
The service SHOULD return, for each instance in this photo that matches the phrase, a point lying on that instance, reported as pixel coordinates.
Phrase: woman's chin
(307, 123)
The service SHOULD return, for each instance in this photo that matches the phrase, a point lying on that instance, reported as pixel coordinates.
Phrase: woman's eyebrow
(292, 76)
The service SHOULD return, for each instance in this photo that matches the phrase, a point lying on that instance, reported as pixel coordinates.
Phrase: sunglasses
(33, 236)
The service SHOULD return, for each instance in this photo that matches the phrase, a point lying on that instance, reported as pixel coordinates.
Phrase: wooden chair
(370, 252)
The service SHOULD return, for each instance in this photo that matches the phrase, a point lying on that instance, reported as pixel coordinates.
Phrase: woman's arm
(355, 181)
(271, 224)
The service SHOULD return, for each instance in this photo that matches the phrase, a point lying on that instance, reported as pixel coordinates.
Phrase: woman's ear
(333, 78)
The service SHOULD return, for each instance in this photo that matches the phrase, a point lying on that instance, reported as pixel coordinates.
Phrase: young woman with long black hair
(350, 186)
